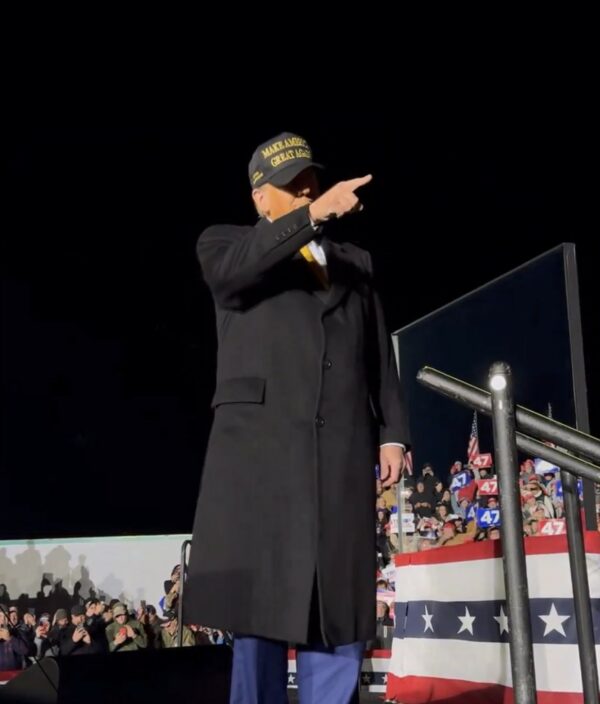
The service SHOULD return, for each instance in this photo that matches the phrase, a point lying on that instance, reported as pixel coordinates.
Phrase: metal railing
(507, 420)
(183, 572)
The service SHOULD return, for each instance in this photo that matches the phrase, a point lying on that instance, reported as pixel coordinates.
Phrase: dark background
(107, 329)
(520, 318)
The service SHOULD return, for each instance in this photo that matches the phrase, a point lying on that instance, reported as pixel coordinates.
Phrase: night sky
(108, 344)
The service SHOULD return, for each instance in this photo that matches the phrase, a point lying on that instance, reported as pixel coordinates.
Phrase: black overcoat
(306, 390)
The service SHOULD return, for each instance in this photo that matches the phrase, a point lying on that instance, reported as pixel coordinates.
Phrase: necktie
(319, 271)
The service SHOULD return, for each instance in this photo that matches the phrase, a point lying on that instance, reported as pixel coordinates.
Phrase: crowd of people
(464, 506)
(426, 512)
(430, 511)
(93, 625)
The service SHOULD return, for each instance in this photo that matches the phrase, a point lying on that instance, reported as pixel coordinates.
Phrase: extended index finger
(355, 183)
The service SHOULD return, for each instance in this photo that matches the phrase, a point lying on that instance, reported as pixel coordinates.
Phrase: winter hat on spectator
(119, 609)
(61, 613)
(77, 610)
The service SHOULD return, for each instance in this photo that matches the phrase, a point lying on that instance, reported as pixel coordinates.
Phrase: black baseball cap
(279, 160)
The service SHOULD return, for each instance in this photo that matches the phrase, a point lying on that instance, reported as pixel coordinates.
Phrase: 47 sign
(484, 460)
(488, 517)
(487, 487)
(552, 526)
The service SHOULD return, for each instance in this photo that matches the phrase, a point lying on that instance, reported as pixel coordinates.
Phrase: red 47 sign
(552, 526)
(487, 487)
(484, 460)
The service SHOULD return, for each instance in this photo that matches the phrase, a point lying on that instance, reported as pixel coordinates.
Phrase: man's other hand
(391, 464)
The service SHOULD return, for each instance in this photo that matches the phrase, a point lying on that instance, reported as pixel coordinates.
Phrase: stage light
(498, 382)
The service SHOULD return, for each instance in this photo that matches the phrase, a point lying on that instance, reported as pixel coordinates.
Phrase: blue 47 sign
(559, 489)
(488, 517)
(461, 479)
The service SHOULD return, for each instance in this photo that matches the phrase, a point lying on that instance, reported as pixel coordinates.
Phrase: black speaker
(198, 675)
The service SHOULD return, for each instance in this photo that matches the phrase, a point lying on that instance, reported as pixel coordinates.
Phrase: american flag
(473, 446)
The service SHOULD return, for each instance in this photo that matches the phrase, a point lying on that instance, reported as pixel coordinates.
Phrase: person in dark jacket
(307, 401)
(77, 638)
(13, 648)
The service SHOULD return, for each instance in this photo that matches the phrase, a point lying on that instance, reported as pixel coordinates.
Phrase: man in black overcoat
(307, 400)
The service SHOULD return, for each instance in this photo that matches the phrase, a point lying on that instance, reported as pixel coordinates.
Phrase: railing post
(511, 530)
(183, 574)
(581, 589)
(571, 466)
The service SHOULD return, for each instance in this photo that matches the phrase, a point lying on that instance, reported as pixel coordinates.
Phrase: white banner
(132, 568)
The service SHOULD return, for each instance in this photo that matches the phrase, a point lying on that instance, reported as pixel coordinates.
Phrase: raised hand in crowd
(121, 637)
(79, 634)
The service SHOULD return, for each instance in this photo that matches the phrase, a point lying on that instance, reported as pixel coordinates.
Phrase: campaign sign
(559, 489)
(488, 517)
(487, 487)
(552, 526)
(484, 460)
(408, 523)
(544, 467)
(461, 479)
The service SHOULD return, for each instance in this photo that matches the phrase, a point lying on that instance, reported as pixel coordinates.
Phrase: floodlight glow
(498, 382)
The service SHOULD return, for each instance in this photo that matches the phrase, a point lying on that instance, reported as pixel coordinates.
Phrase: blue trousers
(323, 675)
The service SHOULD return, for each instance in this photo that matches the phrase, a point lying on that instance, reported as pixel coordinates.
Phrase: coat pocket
(244, 389)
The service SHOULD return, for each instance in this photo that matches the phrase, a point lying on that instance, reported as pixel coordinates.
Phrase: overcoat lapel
(342, 274)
